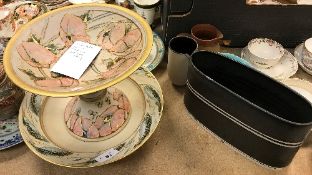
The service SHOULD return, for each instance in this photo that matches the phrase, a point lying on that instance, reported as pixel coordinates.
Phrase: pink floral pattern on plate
(105, 118)
(41, 45)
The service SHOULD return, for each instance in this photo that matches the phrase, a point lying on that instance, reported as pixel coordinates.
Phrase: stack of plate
(156, 55)
(299, 56)
(120, 103)
(286, 66)
(10, 100)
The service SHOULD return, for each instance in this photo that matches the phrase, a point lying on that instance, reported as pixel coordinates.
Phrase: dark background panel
(239, 22)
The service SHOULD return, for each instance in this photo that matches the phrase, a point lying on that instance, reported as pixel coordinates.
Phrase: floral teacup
(264, 52)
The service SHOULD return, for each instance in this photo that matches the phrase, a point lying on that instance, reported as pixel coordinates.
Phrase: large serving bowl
(124, 36)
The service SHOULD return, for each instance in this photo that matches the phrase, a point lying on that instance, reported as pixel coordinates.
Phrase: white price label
(76, 59)
(107, 155)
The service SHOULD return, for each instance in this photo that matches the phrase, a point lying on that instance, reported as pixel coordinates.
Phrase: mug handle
(183, 13)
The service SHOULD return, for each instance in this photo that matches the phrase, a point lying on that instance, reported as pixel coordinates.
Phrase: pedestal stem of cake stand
(93, 97)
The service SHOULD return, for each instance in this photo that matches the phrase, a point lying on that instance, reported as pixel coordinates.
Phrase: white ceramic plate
(286, 67)
(302, 87)
(9, 133)
(298, 55)
(54, 144)
(156, 55)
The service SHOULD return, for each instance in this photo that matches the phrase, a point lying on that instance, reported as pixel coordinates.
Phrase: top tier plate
(126, 41)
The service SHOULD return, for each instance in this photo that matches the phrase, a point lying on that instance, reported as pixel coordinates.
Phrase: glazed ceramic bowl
(206, 34)
(264, 53)
(307, 53)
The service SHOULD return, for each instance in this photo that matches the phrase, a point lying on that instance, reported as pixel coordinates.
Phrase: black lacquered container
(254, 113)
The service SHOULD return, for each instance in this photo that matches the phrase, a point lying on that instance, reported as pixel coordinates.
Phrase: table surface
(178, 146)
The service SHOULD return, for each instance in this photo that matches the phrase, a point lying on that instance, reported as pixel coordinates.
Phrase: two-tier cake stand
(105, 115)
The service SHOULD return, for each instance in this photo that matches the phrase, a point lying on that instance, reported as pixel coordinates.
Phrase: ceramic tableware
(124, 3)
(292, 1)
(304, 2)
(5, 2)
(179, 51)
(86, 1)
(20, 13)
(207, 36)
(299, 56)
(10, 98)
(4, 17)
(146, 8)
(10, 95)
(303, 87)
(3, 44)
(2, 72)
(264, 52)
(307, 53)
(123, 35)
(285, 68)
(119, 2)
(55, 4)
(9, 133)
(156, 55)
(41, 121)
(263, 2)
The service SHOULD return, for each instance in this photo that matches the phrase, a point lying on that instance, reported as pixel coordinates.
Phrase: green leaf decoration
(147, 128)
(34, 104)
(32, 131)
(148, 124)
(91, 161)
(152, 93)
(52, 151)
(85, 17)
(119, 147)
(31, 75)
(52, 48)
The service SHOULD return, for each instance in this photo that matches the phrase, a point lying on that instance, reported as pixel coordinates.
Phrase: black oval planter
(254, 113)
